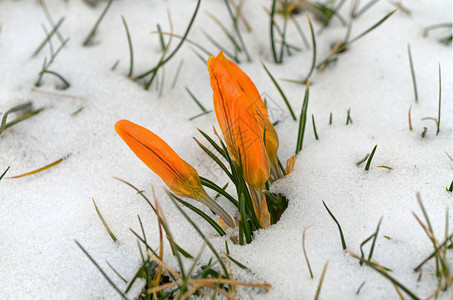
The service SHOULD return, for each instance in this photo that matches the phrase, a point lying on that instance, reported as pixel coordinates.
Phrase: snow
(42, 215)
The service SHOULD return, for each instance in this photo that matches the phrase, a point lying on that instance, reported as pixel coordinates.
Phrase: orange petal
(180, 177)
(290, 164)
(238, 122)
(257, 107)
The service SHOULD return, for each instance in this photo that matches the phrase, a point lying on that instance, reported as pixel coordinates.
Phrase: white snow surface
(41, 215)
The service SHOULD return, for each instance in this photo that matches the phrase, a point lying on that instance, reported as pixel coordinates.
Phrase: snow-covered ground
(41, 215)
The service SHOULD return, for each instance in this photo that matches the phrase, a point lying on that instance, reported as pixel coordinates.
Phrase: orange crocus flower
(179, 176)
(256, 105)
(243, 135)
(242, 128)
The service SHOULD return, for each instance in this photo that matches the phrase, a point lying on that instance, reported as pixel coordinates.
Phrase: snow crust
(42, 215)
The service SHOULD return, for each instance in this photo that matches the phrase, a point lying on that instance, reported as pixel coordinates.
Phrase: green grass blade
(313, 40)
(373, 27)
(24, 117)
(393, 280)
(285, 24)
(433, 254)
(300, 31)
(280, 91)
(343, 242)
(213, 143)
(363, 159)
(178, 46)
(244, 220)
(161, 37)
(414, 81)
(225, 270)
(104, 222)
(96, 25)
(100, 270)
(211, 185)
(200, 115)
(314, 126)
(65, 82)
(440, 99)
(196, 100)
(131, 49)
(368, 163)
(303, 119)
(238, 33)
(200, 213)
(178, 71)
(227, 33)
(48, 37)
(365, 8)
(12, 110)
(215, 159)
(220, 47)
(4, 173)
(370, 255)
(274, 52)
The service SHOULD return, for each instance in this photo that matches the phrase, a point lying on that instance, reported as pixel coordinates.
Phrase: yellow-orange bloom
(179, 176)
(256, 105)
(237, 117)
(242, 118)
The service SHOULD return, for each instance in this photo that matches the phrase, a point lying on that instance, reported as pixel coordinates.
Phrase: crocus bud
(179, 176)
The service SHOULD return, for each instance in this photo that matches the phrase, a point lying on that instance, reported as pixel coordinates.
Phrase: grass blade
(305, 252)
(238, 33)
(285, 23)
(314, 126)
(65, 82)
(211, 185)
(368, 163)
(12, 110)
(280, 91)
(313, 40)
(414, 81)
(274, 52)
(214, 144)
(196, 100)
(384, 273)
(200, 213)
(227, 33)
(373, 27)
(440, 98)
(96, 25)
(4, 173)
(40, 169)
(303, 119)
(318, 291)
(48, 37)
(200, 115)
(104, 222)
(363, 159)
(131, 50)
(24, 117)
(243, 222)
(374, 239)
(177, 74)
(100, 270)
(177, 47)
(447, 240)
(215, 159)
(204, 237)
(343, 242)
